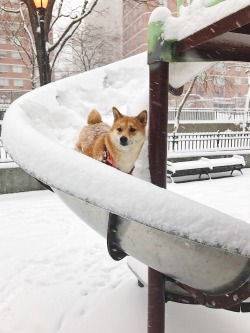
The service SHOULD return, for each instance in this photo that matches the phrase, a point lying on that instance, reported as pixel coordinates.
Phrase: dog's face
(127, 131)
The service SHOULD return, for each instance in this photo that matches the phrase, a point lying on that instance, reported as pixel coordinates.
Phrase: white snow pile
(57, 277)
(194, 17)
(40, 131)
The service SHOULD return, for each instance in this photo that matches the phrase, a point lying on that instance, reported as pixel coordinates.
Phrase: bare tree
(218, 82)
(180, 107)
(56, 12)
(92, 47)
(247, 103)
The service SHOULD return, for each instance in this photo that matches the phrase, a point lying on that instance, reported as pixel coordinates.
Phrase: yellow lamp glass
(41, 3)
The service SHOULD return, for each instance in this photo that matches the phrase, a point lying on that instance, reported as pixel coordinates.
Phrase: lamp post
(41, 6)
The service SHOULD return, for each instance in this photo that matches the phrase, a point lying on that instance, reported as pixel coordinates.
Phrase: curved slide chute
(190, 242)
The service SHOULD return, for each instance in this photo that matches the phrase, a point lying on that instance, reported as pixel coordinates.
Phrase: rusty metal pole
(156, 301)
(158, 119)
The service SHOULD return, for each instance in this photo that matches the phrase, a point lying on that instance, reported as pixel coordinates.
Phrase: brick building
(15, 76)
(135, 24)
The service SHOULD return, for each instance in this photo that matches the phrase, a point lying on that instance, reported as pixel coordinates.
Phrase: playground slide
(197, 245)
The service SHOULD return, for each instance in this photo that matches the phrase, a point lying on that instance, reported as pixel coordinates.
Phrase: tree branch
(61, 46)
(73, 22)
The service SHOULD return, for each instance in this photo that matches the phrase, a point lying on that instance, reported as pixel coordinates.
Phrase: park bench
(188, 168)
(234, 163)
(204, 166)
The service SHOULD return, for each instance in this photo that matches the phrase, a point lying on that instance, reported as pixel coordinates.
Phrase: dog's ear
(117, 114)
(142, 117)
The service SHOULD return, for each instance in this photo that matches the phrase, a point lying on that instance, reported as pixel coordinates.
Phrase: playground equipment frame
(226, 39)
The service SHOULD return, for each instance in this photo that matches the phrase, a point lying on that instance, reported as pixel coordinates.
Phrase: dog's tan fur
(97, 138)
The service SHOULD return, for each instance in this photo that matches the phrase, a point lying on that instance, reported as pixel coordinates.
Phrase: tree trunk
(178, 114)
(246, 109)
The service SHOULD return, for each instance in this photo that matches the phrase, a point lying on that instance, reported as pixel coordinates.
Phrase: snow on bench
(236, 162)
(188, 168)
(205, 166)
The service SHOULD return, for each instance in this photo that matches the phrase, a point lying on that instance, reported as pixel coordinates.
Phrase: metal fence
(8, 96)
(3, 108)
(210, 115)
(189, 115)
(183, 142)
(209, 141)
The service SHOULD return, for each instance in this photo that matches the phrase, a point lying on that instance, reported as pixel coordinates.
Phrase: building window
(14, 27)
(163, 3)
(3, 54)
(201, 78)
(17, 69)
(2, 40)
(16, 55)
(237, 81)
(15, 41)
(4, 82)
(220, 67)
(3, 68)
(218, 94)
(219, 81)
(18, 83)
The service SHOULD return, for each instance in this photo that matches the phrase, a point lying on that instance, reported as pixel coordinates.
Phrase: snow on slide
(194, 17)
(156, 225)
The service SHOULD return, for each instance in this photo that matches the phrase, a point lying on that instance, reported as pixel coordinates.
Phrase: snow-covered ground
(56, 274)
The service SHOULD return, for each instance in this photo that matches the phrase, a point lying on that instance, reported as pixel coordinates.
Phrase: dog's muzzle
(123, 140)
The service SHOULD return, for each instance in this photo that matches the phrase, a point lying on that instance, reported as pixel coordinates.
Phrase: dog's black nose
(123, 140)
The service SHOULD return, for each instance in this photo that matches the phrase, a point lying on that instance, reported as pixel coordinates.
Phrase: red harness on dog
(108, 159)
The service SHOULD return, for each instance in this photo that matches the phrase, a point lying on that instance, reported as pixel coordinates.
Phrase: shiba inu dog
(119, 145)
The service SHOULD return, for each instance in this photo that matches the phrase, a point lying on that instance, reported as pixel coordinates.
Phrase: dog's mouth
(124, 144)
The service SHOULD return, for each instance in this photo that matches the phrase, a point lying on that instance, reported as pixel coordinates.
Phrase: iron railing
(208, 141)
(190, 142)
(210, 115)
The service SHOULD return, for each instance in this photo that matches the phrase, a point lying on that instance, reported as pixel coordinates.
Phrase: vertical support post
(158, 119)
(156, 301)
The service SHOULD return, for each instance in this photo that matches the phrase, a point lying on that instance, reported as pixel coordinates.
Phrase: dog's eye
(132, 130)
(119, 129)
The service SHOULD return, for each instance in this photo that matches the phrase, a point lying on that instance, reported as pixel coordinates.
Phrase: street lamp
(41, 6)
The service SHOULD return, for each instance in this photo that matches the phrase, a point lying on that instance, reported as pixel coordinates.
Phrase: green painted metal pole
(179, 3)
(214, 2)
(209, 4)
